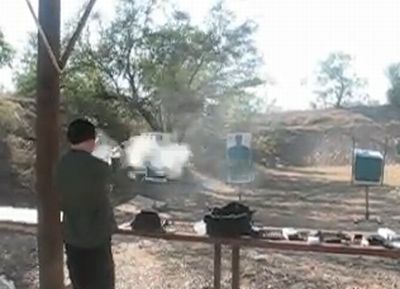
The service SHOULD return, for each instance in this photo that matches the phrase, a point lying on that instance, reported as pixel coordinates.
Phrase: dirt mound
(326, 118)
(16, 152)
(303, 138)
(325, 137)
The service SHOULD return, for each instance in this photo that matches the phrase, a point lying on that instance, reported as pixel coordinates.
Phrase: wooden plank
(245, 242)
(273, 245)
(235, 267)
(217, 266)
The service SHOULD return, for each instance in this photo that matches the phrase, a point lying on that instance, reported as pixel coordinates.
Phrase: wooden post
(367, 203)
(50, 245)
(353, 163)
(385, 152)
(235, 267)
(217, 266)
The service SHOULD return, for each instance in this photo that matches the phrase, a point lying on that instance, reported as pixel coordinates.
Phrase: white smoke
(103, 152)
(142, 151)
(171, 158)
(106, 148)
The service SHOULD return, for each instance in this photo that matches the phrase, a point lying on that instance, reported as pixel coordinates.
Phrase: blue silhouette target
(239, 158)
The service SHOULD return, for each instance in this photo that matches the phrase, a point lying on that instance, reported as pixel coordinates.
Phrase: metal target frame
(241, 184)
(367, 185)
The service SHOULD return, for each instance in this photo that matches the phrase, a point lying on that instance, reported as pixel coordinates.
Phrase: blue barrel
(368, 167)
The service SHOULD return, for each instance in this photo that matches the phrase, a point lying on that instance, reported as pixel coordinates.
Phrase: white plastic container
(386, 233)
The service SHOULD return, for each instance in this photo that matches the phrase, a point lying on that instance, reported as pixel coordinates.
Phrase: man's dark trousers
(91, 268)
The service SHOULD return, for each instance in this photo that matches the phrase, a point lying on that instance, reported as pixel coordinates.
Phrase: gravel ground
(143, 264)
(285, 198)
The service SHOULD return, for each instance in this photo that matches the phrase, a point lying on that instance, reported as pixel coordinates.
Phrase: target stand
(367, 217)
(368, 168)
(239, 170)
(241, 185)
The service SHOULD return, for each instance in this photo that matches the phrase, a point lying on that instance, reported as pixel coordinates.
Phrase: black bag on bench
(232, 220)
(147, 222)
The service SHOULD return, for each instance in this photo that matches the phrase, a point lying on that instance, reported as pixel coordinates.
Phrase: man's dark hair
(81, 130)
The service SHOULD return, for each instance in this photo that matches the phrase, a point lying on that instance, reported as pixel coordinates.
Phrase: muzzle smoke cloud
(142, 151)
(171, 158)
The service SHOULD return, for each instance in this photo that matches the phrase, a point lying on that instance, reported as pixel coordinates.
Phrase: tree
(25, 72)
(171, 72)
(393, 93)
(167, 74)
(6, 51)
(337, 84)
(82, 94)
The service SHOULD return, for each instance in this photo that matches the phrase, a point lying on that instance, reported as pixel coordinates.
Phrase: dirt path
(315, 198)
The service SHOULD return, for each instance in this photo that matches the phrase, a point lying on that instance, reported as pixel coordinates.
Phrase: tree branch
(104, 69)
(196, 70)
(147, 115)
(340, 94)
(128, 71)
(75, 36)
(135, 100)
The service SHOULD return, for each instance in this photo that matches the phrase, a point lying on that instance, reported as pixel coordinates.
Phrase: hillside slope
(16, 152)
(325, 137)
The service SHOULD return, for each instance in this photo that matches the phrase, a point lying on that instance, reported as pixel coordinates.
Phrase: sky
(293, 36)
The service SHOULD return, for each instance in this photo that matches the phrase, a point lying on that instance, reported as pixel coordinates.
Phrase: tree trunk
(340, 96)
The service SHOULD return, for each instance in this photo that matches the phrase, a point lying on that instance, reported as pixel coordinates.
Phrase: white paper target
(239, 158)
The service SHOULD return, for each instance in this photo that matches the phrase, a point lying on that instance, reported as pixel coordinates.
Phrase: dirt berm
(325, 137)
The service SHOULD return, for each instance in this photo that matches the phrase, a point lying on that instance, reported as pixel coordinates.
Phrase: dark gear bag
(232, 220)
(147, 222)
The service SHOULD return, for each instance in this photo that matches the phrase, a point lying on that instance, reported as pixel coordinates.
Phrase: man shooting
(88, 220)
